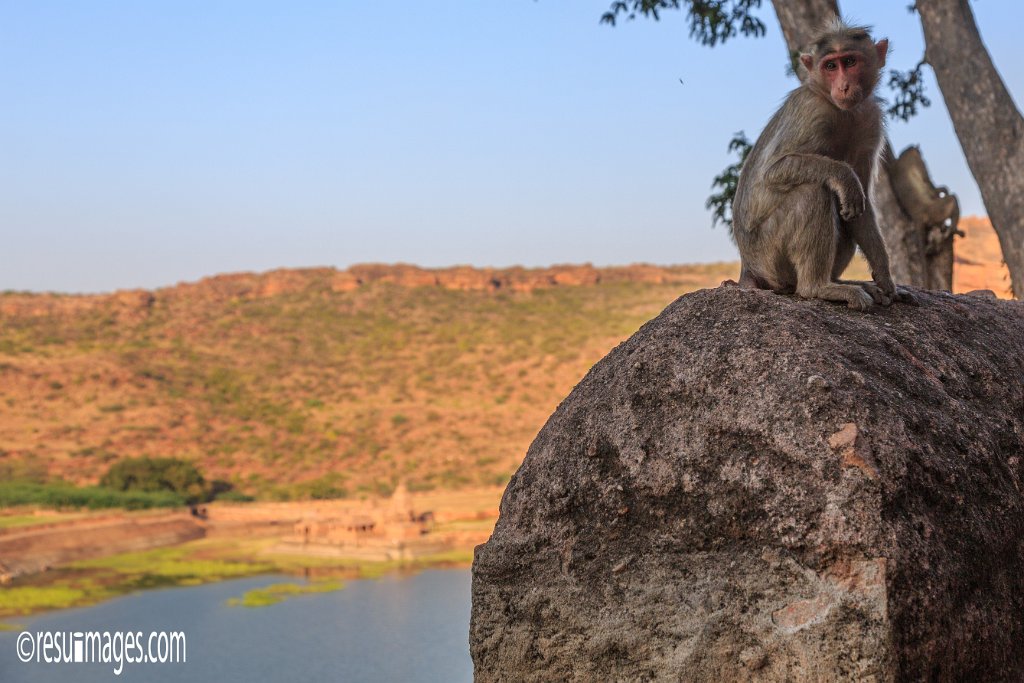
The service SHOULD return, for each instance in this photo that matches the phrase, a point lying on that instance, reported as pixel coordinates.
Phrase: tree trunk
(990, 129)
(800, 21)
(903, 241)
(934, 211)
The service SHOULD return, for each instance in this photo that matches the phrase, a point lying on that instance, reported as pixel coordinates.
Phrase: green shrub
(62, 495)
(152, 475)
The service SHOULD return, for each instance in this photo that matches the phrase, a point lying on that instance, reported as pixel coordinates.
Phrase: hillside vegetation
(313, 383)
(320, 383)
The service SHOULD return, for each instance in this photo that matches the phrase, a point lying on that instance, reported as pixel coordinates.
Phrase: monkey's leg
(751, 281)
(845, 249)
(813, 246)
(752, 248)
(864, 230)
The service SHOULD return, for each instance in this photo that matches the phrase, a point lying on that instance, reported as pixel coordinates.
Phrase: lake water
(413, 628)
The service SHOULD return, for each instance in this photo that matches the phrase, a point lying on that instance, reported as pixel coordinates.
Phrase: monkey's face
(844, 73)
(848, 71)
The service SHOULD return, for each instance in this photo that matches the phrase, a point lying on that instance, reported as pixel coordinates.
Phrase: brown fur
(801, 206)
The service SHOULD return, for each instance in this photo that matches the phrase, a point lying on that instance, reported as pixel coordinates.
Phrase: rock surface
(758, 487)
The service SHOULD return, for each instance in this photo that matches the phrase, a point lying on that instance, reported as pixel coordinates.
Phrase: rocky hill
(314, 382)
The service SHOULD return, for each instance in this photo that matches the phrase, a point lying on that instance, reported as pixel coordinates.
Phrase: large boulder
(759, 487)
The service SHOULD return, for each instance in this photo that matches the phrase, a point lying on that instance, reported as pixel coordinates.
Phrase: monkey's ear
(807, 61)
(882, 48)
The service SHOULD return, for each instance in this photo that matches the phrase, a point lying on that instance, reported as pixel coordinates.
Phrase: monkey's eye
(830, 66)
(849, 61)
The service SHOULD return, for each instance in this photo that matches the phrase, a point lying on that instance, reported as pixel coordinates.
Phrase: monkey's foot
(893, 295)
(881, 296)
(876, 293)
(905, 296)
(854, 295)
(860, 301)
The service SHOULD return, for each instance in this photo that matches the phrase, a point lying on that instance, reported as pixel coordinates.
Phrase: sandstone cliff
(132, 305)
(757, 487)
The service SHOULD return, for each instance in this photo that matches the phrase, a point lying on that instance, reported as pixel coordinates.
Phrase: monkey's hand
(852, 200)
(886, 293)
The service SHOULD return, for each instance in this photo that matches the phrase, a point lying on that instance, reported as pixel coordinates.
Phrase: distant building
(392, 532)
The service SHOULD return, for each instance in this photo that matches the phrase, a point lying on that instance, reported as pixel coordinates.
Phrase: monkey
(801, 207)
(935, 209)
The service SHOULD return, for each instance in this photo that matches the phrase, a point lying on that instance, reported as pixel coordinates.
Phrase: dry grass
(304, 392)
(311, 394)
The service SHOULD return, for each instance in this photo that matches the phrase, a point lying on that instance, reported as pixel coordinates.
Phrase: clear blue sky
(146, 143)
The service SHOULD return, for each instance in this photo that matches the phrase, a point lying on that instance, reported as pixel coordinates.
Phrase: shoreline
(194, 563)
(68, 563)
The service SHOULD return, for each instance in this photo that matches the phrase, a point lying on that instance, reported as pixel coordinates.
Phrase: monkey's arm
(786, 171)
(865, 232)
(790, 170)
